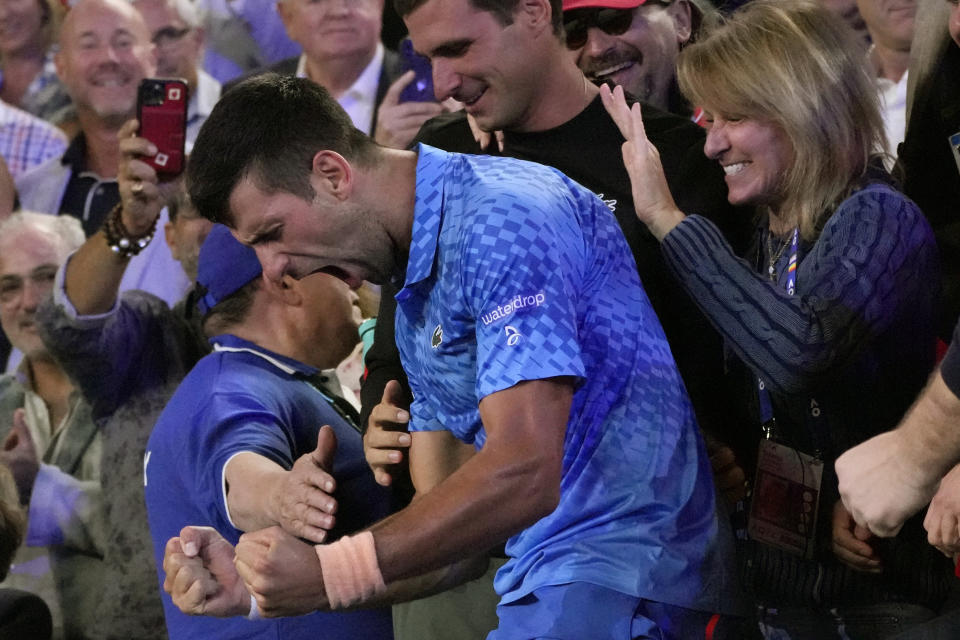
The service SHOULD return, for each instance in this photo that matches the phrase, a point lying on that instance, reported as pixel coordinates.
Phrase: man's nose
(33, 294)
(274, 264)
(597, 45)
(446, 81)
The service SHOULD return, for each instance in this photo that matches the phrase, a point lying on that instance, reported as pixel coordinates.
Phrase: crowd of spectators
(694, 373)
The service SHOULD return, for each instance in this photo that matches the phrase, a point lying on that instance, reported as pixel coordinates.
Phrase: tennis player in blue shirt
(525, 333)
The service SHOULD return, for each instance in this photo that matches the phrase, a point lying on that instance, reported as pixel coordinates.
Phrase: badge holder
(786, 494)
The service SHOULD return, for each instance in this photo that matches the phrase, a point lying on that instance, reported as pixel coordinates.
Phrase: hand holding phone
(162, 113)
(421, 88)
(408, 103)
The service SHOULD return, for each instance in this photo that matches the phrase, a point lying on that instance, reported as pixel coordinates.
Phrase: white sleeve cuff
(60, 298)
(223, 489)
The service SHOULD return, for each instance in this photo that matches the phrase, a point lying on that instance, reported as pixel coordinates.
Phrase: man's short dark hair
(232, 310)
(269, 128)
(502, 10)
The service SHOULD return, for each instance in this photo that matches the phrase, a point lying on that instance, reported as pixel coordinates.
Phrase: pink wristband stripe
(351, 573)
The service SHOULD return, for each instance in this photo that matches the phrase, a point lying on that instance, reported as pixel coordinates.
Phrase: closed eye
(454, 49)
(270, 235)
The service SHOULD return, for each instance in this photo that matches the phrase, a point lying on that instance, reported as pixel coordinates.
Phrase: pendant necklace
(774, 254)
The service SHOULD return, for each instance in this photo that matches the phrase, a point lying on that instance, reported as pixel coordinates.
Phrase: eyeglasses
(169, 36)
(577, 22)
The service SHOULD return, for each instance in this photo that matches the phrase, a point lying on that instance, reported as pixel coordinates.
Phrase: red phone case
(162, 112)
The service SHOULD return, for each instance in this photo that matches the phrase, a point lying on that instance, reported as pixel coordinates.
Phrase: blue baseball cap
(225, 266)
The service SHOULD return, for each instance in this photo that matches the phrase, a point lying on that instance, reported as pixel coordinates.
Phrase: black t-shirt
(588, 149)
(950, 366)
(931, 173)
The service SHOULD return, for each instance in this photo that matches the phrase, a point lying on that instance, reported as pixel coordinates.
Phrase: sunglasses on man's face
(577, 22)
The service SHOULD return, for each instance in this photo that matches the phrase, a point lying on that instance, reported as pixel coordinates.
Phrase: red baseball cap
(602, 4)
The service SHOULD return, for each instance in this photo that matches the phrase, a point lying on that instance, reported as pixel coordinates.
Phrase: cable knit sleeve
(865, 271)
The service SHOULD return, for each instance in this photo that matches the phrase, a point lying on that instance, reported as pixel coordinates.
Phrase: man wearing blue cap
(220, 452)
(127, 353)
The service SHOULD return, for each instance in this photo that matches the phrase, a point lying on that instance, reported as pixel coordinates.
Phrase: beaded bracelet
(121, 241)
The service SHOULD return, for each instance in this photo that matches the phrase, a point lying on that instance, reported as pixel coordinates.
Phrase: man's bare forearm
(251, 485)
(92, 277)
(478, 507)
(931, 429)
(510, 484)
(431, 583)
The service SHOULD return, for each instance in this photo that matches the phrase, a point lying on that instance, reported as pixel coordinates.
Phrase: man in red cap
(635, 43)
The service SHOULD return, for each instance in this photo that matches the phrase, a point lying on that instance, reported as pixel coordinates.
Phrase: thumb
(194, 539)
(191, 541)
(393, 394)
(326, 448)
(392, 96)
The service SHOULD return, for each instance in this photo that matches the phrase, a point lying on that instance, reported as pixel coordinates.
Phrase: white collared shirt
(201, 104)
(893, 97)
(360, 99)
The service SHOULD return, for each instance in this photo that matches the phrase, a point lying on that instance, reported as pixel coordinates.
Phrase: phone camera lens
(153, 95)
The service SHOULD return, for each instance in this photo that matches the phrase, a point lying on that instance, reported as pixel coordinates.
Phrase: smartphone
(421, 88)
(162, 112)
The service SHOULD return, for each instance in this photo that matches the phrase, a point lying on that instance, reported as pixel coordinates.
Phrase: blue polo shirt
(245, 398)
(518, 273)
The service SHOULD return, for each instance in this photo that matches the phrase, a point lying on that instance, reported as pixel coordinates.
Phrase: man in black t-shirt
(550, 113)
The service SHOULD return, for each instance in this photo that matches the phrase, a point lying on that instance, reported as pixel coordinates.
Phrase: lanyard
(343, 408)
(816, 420)
(766, 407)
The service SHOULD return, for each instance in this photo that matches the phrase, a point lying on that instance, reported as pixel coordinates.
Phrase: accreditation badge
(786, 492)
(954, 141)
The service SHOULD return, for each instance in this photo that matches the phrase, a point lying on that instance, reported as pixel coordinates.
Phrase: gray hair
(66, 231)
(189, 12)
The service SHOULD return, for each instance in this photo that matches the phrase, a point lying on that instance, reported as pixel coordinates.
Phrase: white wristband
(254, 609)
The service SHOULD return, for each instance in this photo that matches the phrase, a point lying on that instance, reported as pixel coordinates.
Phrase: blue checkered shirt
(518, 273)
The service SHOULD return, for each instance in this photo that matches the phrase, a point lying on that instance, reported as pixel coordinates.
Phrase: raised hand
(651, 196)
(142, 194)
(398, 122)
